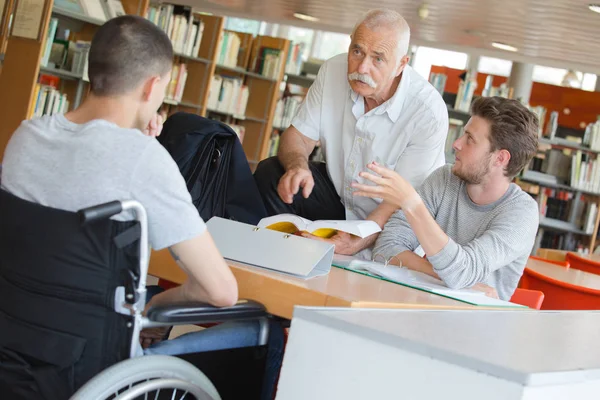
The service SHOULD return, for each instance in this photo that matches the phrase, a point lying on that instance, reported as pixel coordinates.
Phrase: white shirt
(407, 133)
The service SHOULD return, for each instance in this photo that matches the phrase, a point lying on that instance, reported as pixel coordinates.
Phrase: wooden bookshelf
(5, 14)
(22, 57)
(263, 90)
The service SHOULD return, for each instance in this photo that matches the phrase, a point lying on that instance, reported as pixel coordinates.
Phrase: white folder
(266, 248)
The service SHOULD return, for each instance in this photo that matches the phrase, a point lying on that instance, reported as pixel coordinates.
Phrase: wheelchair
(73, 290)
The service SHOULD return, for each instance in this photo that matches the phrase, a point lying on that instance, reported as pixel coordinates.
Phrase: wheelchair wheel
(149, 377)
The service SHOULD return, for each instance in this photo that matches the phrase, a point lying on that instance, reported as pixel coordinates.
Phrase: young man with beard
(475, 226)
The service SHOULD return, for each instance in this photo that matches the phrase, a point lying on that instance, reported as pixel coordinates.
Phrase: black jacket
(214, 166)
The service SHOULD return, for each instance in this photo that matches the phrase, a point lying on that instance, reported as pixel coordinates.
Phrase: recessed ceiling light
(306, 17)
(594, 7)
(503, 46)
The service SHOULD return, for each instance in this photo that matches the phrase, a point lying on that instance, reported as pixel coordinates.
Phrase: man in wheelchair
(105, 150)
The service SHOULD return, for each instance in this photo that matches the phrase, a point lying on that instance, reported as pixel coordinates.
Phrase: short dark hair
(124, 52)
(513, 127)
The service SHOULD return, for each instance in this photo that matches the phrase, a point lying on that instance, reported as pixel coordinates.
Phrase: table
(431, 354)
(279, 293)
(567, 275)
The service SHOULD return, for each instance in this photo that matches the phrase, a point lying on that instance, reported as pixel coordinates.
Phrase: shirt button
(359, 140)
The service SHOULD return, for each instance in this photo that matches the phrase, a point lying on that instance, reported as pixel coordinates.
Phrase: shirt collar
(394, 105)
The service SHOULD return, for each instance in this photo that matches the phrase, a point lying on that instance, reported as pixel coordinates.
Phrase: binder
(273, 250)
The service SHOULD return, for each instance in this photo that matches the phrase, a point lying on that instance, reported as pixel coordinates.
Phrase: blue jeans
(228, 335)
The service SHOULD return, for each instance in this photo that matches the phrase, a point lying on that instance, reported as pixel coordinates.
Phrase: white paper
(418, 280)
(28, 18)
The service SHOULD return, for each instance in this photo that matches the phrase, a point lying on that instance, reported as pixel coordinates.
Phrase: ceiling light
(594, 8)
(306, 17)
(503, 46)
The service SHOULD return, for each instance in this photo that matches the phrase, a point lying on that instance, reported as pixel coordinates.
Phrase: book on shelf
(273, 144)
(180, 25)
(438, 81)
(229, 47)
(268, 63)
(293, 65)
(290, 223)
(592, 136)
(228, 95)
(240, 130)
(176, 85)
(52, 27)
(48, 101)
(285, 110)
(585, 172)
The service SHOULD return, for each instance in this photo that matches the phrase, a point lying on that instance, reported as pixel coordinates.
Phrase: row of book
(228, 95)
(48, 101)
(549, 239)
(293, 65)
(555, 204)
(285, 110)
(591, 137)
(180, 25)
(585, 172)
(229, 48)
(176, 85)
(61, 53)
(268, 62)
(438, 81)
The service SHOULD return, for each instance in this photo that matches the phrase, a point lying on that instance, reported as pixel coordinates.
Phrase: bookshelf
(5, 13)
(22, 70)
(217, 67)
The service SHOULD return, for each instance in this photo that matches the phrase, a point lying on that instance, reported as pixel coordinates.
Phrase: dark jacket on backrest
(214, 166)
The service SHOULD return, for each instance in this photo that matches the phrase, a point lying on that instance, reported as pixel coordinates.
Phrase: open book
(291, 223)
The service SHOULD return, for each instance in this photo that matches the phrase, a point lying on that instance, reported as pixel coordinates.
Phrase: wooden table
(568, 275)
(340, 288)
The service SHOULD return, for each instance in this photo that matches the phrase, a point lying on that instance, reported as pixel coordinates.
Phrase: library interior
(165, 226)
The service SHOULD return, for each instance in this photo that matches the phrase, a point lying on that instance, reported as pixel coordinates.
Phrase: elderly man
(367, 105)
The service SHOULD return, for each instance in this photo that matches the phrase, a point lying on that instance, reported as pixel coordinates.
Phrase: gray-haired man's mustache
(355, 76)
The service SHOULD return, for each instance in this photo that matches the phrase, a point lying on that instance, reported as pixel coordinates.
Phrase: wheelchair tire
(128, 373)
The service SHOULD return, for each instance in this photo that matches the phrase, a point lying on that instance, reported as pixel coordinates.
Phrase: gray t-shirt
(57, 163)
(488, 244)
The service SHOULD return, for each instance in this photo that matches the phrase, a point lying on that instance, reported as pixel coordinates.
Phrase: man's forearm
(412, 261)
(294, 150)
(380, 215)
(430, 235)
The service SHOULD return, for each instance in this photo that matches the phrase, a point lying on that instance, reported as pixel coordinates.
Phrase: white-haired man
(367, 105)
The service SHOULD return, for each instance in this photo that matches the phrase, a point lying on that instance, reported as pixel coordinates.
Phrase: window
(330, 44)
(589, 82)
(425, 57)
(494, 66)
(302, 36)
(242, 25)
(555, 76)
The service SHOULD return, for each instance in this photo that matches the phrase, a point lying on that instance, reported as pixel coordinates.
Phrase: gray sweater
(488, 244)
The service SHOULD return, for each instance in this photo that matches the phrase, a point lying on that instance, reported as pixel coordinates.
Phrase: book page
(359, 228)
(288, 223)
(27, 19)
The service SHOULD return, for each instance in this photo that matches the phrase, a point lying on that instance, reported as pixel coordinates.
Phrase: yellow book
(290, 223)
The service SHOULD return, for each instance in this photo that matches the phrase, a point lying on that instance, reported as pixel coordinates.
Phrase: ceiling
(559, 33)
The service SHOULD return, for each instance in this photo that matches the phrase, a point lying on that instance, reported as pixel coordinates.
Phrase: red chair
(561, 263)
(583, 263)
(530, 298)
(559, 295)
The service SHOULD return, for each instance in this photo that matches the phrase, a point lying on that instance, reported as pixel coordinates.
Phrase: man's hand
(488, 290)
(345, 243)
(155, 126)
(150, 336)
(391, 188)
(292, 180)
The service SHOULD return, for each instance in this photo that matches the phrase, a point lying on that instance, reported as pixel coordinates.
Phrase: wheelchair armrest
(200, 313)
